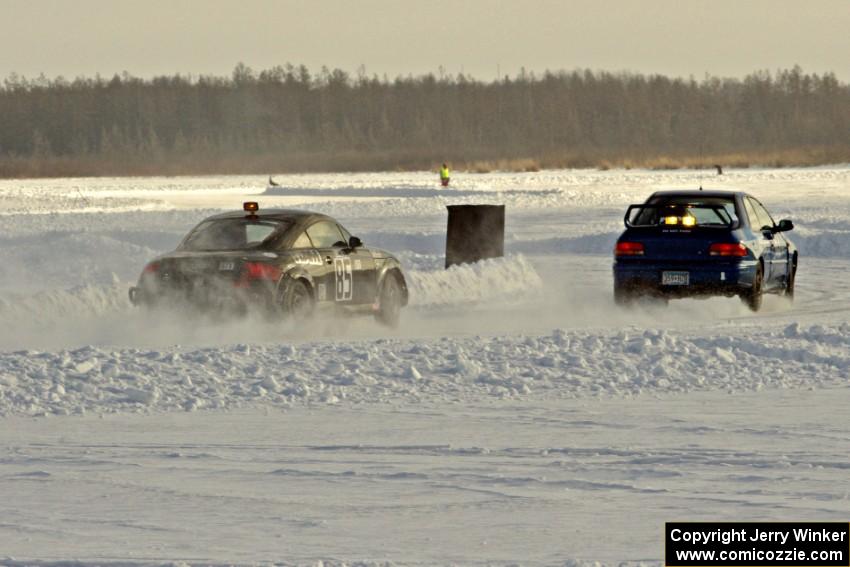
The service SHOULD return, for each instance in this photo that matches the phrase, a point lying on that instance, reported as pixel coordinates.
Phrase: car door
(762, 224)
(782, 258)
(780, 251)
(338, 272)
(778, 247)
(363, 267)
(305, 255)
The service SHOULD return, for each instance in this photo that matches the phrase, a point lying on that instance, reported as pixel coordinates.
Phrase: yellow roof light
(689, 221)
(671, 220)
(251, 206)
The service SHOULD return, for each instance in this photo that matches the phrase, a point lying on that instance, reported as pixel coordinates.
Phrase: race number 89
(344, 279)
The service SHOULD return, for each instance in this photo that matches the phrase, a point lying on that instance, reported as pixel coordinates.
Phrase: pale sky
(479, 37)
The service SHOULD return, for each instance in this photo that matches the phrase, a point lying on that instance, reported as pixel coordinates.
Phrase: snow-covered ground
(516, 416)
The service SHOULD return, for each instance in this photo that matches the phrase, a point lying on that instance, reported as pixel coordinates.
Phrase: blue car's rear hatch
(674, 232)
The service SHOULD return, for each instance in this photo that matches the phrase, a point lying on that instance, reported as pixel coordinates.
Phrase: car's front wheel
(792, 279)
(389, 302)
(296, 300)
(754, 296)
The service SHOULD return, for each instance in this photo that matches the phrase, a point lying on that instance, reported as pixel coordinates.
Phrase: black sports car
(285, 262)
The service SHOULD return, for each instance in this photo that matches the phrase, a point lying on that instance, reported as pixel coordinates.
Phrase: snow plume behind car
(101, 314)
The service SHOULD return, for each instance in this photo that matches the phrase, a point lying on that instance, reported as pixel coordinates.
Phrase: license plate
(675, 278)
(226, 266)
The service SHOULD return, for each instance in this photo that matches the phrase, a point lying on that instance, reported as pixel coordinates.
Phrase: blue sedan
(703, 243)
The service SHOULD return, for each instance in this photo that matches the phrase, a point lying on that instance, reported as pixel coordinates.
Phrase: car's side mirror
(784, 226)
(354, 242)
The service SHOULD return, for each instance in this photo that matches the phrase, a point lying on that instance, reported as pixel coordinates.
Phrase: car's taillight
(253, 271)
(628, 249)
(151, 268)
(727, 249)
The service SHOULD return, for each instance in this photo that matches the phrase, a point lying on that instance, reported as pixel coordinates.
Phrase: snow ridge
(493, 280)
(559, 365)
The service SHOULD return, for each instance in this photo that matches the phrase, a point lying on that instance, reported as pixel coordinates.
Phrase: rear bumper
(236, 300)
(728, 278)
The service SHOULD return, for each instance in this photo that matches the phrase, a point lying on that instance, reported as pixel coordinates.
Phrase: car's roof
(292, 215)
(697, 193)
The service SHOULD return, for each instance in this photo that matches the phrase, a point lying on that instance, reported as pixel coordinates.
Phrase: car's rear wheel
(389, 302)
(753, 298)
(792, 279)
(624, 296)
(297, 301)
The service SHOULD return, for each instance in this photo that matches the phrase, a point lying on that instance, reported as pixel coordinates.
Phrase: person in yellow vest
(444, 175)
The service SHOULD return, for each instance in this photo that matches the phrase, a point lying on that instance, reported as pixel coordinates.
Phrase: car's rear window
(233, 234)
(707, 211)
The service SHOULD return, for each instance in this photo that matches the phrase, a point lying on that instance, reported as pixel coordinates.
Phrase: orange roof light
(250, 206)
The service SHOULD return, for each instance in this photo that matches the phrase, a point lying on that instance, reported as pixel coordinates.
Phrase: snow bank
(560, 365)
(822, 243)
(594, 243)
(48, 252)
(423, 243)
(47, 307)
(494, 280)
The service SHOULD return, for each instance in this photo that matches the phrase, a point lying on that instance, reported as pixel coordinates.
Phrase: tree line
(288, 118)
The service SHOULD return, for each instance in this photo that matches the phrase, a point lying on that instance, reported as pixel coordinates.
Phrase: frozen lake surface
(516, 416)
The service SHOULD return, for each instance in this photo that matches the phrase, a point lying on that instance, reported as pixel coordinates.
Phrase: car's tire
(389, 302)
(754, 296)
(624, 296)
(792, 279)
(296, 301)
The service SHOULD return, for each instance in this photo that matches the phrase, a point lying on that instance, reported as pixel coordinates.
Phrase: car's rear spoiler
(724, 219)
